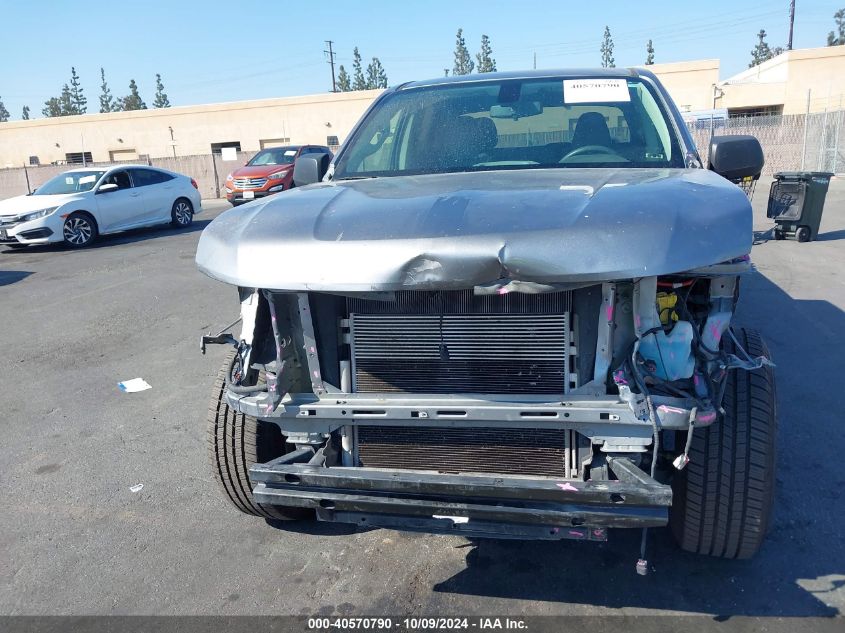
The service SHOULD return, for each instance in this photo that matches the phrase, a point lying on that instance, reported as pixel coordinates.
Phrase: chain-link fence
(811, 142)
(790, 142)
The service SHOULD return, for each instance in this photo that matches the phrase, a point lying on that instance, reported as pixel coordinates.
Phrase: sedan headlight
(43, 213)
(279, 174)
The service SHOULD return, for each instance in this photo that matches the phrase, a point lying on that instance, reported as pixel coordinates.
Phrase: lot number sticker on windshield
(86, 179)
(290, 152)
(595, 91)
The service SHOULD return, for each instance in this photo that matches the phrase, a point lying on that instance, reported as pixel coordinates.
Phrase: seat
(591, 129)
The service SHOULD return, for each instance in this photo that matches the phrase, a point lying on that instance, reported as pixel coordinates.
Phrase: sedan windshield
(513, 124)
(69, 182)
(274, 156)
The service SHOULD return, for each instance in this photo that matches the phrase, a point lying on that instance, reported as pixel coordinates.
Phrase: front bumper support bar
(473, 504)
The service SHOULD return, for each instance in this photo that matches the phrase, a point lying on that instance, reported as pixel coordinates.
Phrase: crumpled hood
(25, 204)
(451, 231)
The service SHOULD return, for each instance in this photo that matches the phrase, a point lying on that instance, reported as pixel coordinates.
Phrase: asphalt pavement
(76, 539)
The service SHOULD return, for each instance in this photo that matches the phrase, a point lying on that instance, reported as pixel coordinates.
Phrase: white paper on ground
(451, 518)
(136, 487)
(136, 384)
(595, 91)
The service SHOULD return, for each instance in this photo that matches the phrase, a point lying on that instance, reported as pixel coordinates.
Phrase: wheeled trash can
(796, 201)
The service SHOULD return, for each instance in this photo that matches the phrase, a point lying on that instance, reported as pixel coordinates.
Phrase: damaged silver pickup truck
(503, 310)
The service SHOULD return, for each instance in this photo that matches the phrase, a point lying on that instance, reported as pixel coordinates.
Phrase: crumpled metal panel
(453, 231)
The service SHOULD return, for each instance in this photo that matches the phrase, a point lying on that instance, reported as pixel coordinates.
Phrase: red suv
(268, 172)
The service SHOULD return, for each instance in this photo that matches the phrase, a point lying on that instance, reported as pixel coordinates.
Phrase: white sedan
(76, 206)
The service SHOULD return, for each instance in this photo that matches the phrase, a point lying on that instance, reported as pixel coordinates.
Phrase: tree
(838, 38)
(25, 113)
(161, 100)
(762, 52)
(4, 113)
(486, 63)
(107, 103)
(52, 107)
(66, 101)
(133, 100)
(445, 72)
(463, 61)
(79, 104)
(344, 82)
(358, 81)
(649, 49)
(607, 60)
(376, 76)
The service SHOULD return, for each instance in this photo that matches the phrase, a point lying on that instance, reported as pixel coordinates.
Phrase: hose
(241, 390)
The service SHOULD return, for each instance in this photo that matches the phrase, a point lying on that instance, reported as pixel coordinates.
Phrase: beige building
(778, 86)
(248, 126)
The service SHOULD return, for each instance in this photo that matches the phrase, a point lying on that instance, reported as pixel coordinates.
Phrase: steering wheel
(590, 149)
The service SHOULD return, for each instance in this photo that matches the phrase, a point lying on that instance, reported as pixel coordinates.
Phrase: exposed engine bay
(566, 378)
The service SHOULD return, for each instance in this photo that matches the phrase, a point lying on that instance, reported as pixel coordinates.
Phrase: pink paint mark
(273, 319)
(502, 291)
(695, 380)
(609, 312)
(555, 530)
(706, 418)
(716, 330)
(576, 533)
(567, 486)
(598, 533)
(316, 374)
(313, 351)
(637, 321)
(667, 409)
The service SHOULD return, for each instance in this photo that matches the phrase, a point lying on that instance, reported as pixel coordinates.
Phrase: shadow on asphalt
(801, 565)
(116, 239)
(9, 277)
(831, 235)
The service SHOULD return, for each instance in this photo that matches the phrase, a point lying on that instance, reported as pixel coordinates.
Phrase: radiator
(539, 452)
(456, 342)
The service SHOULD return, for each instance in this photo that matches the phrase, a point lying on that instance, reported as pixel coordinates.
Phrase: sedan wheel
(79, 231)
(182, 213)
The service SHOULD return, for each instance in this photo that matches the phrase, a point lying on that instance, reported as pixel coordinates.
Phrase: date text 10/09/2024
(415, 624)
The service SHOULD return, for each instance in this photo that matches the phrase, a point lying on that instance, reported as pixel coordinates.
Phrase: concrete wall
(689, 83)
(127, 135)
(785, 80)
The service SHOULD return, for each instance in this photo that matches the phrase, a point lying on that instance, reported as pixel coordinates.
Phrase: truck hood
(452, 231)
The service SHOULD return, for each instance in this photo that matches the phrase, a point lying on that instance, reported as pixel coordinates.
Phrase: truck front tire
(236, 442)
(723, 499)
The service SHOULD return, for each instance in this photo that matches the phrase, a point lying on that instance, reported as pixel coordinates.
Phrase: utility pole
(330, 56)
(535, 60)
(791, 24)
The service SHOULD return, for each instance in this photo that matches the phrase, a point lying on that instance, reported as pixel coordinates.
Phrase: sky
(212, 51)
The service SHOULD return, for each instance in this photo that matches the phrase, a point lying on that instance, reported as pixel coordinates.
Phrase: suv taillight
(194, 183)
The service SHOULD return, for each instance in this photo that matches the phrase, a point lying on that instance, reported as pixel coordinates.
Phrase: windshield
(513, 124)
(274, 156)
(69, 182)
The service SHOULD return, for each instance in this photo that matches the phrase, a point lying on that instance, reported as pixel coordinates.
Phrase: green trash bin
(796, 202)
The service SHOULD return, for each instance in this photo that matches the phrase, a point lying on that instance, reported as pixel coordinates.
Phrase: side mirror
(310, 168)
(736, 157)
(107, 187)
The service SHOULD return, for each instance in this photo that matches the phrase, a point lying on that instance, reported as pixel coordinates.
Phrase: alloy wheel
(78, 231)
(182, 213)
